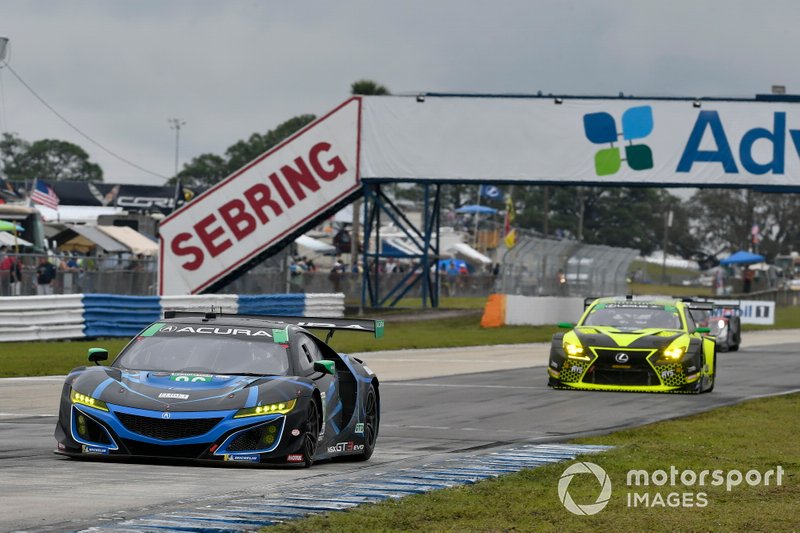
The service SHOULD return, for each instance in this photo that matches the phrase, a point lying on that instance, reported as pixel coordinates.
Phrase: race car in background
(721, 318)
(622, 344)
(212, 387)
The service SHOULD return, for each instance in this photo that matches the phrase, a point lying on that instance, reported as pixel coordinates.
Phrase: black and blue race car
(214, 387)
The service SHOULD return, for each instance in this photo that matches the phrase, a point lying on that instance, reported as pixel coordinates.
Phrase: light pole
(3, 48)
(3, 55)
(176, 124)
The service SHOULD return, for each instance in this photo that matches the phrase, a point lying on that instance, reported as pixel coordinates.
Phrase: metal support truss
(424, 270)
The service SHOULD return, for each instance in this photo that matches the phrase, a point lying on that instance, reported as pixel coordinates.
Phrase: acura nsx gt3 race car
(622, 344)
(205, 386)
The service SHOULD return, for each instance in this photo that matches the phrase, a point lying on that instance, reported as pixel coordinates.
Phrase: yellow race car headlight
(84, 399)
(573, 347)
(280, 408)
(575, 351)
(674, 353)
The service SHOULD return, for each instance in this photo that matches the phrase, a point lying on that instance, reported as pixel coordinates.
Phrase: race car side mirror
(97, 354)
(325, 366)
(566, 325)
(703, 329)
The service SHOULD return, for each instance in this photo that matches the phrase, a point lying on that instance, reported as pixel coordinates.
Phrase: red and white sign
(261, 203)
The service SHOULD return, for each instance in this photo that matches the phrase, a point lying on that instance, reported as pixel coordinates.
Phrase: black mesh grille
(167, 428)
(624, 377)
(256, 438)
(188, 451)
(89, 429)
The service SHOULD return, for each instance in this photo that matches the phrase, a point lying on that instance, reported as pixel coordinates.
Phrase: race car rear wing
(708, 304)
(331, 324)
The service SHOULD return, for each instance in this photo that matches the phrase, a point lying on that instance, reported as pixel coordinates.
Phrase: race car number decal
(191, 378)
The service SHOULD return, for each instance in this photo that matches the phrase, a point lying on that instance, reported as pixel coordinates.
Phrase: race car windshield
(211, 354)
(634, 318)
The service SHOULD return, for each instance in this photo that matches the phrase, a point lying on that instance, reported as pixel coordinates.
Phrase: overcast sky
(119, 69)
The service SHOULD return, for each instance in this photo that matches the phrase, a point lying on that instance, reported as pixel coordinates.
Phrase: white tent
(315, 245)
(468, 253)
(7, 239)
(77, 214)
(138, 243)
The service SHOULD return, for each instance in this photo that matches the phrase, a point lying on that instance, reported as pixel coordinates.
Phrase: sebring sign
(261, 204)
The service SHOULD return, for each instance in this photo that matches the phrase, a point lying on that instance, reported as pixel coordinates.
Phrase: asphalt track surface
(422, 419)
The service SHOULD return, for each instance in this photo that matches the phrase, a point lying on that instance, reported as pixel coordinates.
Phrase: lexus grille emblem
(621, 358)
(165, 415)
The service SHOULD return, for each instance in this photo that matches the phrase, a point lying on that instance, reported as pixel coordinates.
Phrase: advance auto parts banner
(622, 141)
(260, 204)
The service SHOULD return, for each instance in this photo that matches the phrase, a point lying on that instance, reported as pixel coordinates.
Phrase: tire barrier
(31, 318)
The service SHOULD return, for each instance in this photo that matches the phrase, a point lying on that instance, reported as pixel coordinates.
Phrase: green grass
(50, 358)
(55, 358)
(668, 290)
(445, 302)
(741, 437)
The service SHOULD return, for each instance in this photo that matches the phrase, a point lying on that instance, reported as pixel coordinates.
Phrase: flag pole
(477, 214)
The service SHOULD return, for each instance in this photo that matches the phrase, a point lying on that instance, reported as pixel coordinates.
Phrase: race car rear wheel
(371, 421)
(311, 434)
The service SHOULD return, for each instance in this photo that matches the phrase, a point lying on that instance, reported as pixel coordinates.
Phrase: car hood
(180, 391)
(607, 336)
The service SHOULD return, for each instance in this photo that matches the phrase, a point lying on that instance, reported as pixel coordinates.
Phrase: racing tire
(713, 376)
(311, 434)
(733, 348)
(371, 423)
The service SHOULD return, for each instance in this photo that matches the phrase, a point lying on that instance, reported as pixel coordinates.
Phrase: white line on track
(458, 386)
(36, 378)
(21, 415)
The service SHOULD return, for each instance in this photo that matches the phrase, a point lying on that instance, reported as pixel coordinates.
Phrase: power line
(74, 127)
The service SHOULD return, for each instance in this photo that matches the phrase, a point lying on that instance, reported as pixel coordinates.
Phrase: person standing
(747, 277)
(45, 274)
(11, 265)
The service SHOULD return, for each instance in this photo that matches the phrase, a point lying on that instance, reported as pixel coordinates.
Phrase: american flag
(44, 194)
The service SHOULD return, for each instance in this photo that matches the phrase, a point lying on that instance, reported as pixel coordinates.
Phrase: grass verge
(756, 435)
(55, 358)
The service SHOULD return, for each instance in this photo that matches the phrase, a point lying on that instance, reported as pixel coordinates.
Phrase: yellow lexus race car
(622, 344)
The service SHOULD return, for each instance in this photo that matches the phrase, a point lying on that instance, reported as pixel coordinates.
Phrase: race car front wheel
(371, 421)
(311, 434)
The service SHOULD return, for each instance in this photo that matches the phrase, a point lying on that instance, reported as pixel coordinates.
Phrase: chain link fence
(546, 267)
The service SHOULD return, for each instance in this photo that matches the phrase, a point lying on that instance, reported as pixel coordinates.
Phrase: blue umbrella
(742, 258)
(480, 209)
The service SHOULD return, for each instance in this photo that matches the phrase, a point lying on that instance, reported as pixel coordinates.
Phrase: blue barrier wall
(110, 315)
(272, 304)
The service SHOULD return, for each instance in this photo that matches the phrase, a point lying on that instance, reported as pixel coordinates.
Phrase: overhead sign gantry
(436, 139)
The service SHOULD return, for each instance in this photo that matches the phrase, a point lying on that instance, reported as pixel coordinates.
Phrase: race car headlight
(674, 353)
(575, 351)
(83, 399)
(280, 408)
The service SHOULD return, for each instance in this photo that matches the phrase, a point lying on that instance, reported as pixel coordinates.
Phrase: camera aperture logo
(566, 479)
(669, 487)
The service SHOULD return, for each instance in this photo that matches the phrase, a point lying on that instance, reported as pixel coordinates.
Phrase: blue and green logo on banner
(601, 128)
